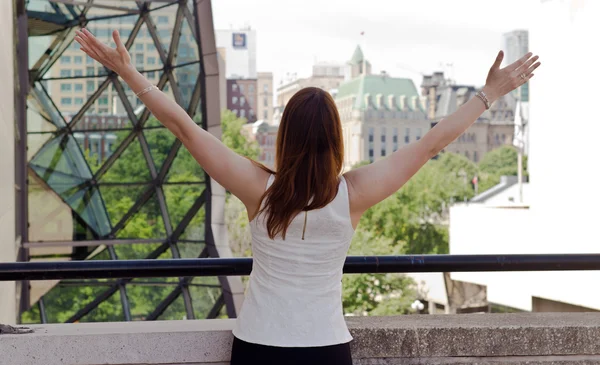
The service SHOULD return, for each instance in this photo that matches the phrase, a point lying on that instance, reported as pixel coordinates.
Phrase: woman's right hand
(116, 59)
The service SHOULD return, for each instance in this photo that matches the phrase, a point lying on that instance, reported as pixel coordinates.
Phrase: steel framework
(142, 196)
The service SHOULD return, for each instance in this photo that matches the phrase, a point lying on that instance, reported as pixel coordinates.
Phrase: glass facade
(106, 181)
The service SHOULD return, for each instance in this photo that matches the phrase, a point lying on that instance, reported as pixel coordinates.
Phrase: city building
(240, 52)
(358, 65)
(264, 98)
(379, 114)
(327, 76)
(242, 98)
(516, 45)
(495, 127)
(558, 213)
(265, 134)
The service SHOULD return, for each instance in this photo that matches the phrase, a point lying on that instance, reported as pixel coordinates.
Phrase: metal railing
(242, 266)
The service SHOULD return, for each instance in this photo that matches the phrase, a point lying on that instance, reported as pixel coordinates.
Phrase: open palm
(501, 81)
(116, 59)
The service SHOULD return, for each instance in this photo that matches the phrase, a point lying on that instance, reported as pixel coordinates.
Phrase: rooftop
(374, 85)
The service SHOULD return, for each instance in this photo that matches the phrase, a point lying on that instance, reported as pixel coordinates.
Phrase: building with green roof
(379, 114)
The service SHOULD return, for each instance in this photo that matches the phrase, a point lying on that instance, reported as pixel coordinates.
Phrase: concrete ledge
(465, 339)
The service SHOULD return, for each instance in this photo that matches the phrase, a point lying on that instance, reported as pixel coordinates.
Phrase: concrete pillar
(8, 250)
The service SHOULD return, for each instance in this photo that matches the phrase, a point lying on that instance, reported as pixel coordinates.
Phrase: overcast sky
(403, 37)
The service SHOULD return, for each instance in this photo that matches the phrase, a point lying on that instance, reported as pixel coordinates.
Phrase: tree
(234, 138)
(499, 162)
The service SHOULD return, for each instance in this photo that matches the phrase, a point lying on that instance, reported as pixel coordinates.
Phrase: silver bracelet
(481, 95)
(146, 90)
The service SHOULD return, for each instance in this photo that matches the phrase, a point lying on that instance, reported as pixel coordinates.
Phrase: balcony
(447, 339)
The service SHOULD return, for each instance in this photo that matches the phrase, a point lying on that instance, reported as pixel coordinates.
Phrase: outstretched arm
(237, 174)
(372, 183)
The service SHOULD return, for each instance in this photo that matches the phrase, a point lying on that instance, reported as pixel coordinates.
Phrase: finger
(93, 40)
(87, 46)
(532, 68)
(498, 61)
(527, 64)
(519, 62)
(117, 38)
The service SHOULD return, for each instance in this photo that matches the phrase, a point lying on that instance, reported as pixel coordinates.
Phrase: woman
(303, 215)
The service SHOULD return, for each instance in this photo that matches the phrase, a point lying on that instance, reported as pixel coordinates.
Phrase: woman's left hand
(501, 81)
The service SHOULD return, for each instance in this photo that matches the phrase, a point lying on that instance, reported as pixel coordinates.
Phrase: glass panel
(146, 223)
(119, 199)
(185, 168)
(90, 207)
(187, 50)
(175, 311)
(195, 229)
(186, 77)
(180, 199)
(164, 20)
(62, 302)
(109, 310)
(136, 251)
(35, 141)
(49, 217)
(189, 250)
(144, 54)
(203, 299)
(143, 299)
(39, 101)
(160, 141)
(131, 165)
(61, 155)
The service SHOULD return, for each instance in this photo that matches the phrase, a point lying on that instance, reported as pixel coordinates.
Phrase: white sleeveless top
(294, 295)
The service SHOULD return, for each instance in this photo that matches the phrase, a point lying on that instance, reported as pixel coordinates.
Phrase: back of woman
(304, 214)
(301, 274)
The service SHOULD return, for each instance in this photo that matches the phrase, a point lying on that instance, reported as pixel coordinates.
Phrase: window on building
(265, 101)
(504, 138)
(124, 33)
(242, 113)
(251, 100)
(235, 111)
(65, 60)
(78, 87)
(234, 100)
(382, 151)
(89, 71)
(66, 101)
(164, 34)
(251, 88)
(266, 88)
(242, 89)
(89, 60)
(265, 114)
(475, 156)
(234, 87)
(467, 155)
(497, 139)
(90, 85)
(152, 75)
(151, 60)
(139, 59)
(103, 100)
(150, 47)
(78, 101)
(139, 47)
(371, 135)
(381, 115)
(78, 73)
(407, 135)
(242, 100)
(65, 73)
(395, 138)
(371, 155)
(163, 19)
(383, 132)
(65, 87)
(418, 136)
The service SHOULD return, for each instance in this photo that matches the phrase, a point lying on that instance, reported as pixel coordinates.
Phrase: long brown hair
(309, 159)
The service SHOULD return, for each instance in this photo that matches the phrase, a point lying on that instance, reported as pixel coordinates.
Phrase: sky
(405, 38)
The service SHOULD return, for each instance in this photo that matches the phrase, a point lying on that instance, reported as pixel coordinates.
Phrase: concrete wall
(464, 339)
(8, 250)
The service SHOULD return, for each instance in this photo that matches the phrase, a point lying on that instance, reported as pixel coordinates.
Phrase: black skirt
(245, 353)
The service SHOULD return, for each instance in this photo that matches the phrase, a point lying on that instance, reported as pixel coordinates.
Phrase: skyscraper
(515, 45)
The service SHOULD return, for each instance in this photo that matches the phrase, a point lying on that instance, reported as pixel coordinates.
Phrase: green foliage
(499, 162)
(233, 137)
